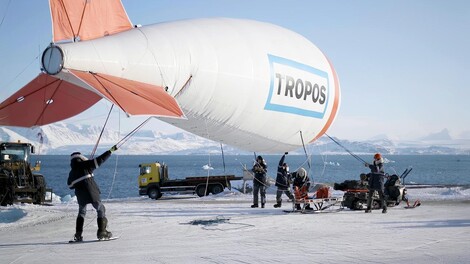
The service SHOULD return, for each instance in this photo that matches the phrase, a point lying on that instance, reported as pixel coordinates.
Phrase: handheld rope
(114, 178)
(101, 133)
(324, 158)
(6, 12)
(227, 183)
(128, 136)
(350, 152)
(257, 180)
(223, 157)
(115, 166)
(305, 150)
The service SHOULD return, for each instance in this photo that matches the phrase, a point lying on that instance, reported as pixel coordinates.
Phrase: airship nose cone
(52, 60)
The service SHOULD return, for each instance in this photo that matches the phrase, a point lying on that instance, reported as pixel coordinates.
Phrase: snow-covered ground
(224, 229)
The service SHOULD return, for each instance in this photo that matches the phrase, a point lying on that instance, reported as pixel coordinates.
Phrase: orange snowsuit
(301, 193)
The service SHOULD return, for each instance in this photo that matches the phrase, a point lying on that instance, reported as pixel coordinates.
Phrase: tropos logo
(297, 88)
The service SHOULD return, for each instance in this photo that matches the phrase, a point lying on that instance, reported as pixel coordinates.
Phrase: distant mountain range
(62, 138)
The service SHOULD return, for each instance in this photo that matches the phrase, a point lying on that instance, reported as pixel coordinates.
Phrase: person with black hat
(87, 191)
(260, 169)
(282, 181)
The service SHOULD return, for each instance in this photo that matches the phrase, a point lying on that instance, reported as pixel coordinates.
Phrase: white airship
(249, 84)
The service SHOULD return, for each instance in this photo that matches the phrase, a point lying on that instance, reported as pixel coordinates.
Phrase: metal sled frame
(319, 205)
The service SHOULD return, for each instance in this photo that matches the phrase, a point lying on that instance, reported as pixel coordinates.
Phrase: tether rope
(6, 11)
(68, 19)
(116, 164)
(210, 166)
(350, 152)
(306, 155)
(223, 162)
(128, 136)
(101, 133)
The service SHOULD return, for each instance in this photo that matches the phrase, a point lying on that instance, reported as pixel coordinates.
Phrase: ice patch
(55, 198)
(452, 191)
(11, 215)
(207, 167)
(332, 163)
(439, 194)
(68, 198)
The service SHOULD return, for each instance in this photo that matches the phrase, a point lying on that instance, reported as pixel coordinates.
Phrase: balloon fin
(134, 98)
(74, 20)
(44, 100)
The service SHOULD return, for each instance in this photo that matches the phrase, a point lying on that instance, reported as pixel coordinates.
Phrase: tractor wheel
(39, 196)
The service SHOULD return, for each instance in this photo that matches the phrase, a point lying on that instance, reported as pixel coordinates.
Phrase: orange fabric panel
(133, 97)
(323, 192)
(45, 100)
(300, 194)
(87, 19)
(334, 111)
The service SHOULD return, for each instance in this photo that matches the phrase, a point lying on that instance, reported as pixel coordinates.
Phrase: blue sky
(403, 65)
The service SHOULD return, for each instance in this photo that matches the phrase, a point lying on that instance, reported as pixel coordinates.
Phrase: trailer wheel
(201, 190)
(217, 188)
(154, 193)
(39, 196)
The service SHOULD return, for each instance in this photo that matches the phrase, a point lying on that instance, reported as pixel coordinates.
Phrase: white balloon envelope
(249, 84)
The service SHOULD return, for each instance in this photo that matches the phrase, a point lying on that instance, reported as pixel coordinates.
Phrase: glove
(285, 153)
(113, 148)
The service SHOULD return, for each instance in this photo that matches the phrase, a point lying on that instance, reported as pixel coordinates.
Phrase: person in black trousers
(87, 191)
(260, 169)
(282, 181)
(376, 182)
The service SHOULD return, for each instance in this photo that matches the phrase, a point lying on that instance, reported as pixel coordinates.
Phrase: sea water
(117, 177)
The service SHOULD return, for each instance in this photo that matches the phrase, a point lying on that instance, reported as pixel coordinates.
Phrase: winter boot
(262, 205)
(79, 229)
(254, 206)
(297, 207)
(277, 205)
(384, 210)
(102, 232)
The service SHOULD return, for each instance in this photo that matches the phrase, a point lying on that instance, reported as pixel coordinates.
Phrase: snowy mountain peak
(62, 138)
(441, 135)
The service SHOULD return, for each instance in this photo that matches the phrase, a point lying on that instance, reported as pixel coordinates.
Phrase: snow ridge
(62, 138)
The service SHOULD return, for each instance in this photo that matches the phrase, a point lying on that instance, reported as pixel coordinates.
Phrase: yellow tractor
(18, 180)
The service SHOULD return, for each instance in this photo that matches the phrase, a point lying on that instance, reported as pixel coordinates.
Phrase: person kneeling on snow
(301, 185)
(87, 191)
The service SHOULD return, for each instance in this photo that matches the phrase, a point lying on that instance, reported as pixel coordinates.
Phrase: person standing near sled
(376, 182)
(301, 185)
(87, 191)
(282, 181)
(260, 169)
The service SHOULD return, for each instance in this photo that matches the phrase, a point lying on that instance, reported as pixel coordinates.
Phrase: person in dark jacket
(282, 181)
(87, 191)
(376, 182)
(260, 169)
(301, 185)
